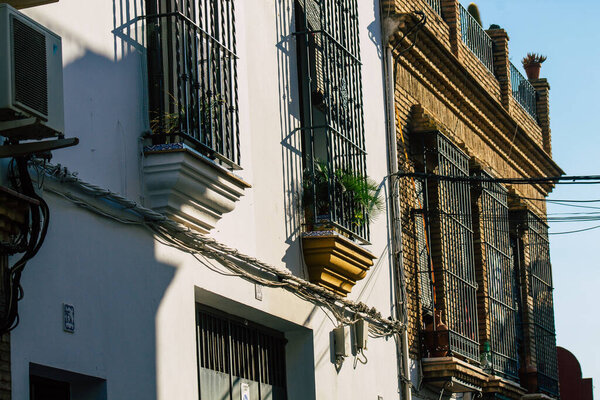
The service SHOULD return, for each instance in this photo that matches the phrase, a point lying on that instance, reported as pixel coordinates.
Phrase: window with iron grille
(235, 355)
(423, 254)
(192, 71)
(332, 114)
(543, 307)
(492, 227)
(448, 207)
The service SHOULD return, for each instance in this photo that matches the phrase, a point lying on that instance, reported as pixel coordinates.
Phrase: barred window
(496, 259)
(448, 207)
(236, 356)
(329, 70)
(192, 71)
(543, 306)
(423, 252)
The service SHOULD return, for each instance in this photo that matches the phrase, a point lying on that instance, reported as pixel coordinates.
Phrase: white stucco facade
(135, 298)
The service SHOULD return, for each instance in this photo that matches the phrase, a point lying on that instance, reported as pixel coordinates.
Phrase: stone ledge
(189, 187)
(537, 396)
(504, 387)
(453, 374)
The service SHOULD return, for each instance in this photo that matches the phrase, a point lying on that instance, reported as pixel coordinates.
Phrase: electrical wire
(575, 179)
(39, 215)
(183, 238)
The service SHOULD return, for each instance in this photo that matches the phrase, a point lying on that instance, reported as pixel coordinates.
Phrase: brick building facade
(475, 251)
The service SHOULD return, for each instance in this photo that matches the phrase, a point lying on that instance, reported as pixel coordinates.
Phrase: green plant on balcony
(359, 191)
(170, 123)
(474, 11)
(532, 63)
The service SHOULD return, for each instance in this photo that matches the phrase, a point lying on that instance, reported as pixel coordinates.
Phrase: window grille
(332, 113)
(543, 307)
(423, 253)
(192, 69)
(523, 91)
(448, 205)
(501, 278)
(232, 352)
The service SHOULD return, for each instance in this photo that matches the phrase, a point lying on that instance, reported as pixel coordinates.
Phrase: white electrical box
(341, 339)
(31, 77)
(361, 334)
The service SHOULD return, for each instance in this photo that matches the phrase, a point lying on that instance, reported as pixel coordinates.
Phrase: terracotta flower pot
(533, 71)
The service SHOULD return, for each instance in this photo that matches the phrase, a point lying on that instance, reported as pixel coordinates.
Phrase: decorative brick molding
(542, 88)
(502, 64)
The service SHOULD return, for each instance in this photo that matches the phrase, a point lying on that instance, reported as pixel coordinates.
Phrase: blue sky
(567, 33)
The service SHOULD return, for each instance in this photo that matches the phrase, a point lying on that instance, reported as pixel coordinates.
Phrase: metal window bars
(436, 5)
(493, 218)
(192, 69)
(238, 350)
(448, 206)
(523, 91)
(476, 39)
(422, 246)
(332, 109)
(543, 306)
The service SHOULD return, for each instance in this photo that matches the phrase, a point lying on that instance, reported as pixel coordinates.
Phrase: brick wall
(441, 84)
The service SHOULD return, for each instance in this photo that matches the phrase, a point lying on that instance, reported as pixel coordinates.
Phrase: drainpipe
(395, 218)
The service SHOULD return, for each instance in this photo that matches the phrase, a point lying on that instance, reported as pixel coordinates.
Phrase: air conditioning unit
(31, 78)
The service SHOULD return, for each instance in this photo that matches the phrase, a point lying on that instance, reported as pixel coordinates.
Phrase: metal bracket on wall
(21, 149)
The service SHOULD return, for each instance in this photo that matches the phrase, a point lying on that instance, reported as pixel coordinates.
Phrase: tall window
(332, 113)
(236, 357)
(448, 207)
(543, 306)
(192, 69)
(497, 279)
(424, 277)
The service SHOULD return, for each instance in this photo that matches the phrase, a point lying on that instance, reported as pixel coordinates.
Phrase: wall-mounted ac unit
(31, 78)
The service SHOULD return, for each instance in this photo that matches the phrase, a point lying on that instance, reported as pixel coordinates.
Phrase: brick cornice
(489, 118)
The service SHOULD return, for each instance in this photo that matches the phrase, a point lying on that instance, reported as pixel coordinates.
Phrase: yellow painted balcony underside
(335, 262)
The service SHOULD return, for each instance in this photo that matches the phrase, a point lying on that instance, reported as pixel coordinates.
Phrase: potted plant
(334, 260)
(359, 191)
(532, 64)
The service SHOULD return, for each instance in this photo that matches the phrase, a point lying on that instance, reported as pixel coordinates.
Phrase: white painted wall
(135, 298)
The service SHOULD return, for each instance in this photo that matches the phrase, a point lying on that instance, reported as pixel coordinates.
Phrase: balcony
(337, 194)
(523, 91)
(436, 5)
(453, 374)
(192, 70)
(192, 149)
(476, 39)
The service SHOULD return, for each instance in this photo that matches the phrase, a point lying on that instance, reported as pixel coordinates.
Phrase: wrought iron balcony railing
(543, 306)
(436, 5)
(192, 68)
(502, 287)
(332, 112)
(476, 39)
(523, 91)
(447, 206)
